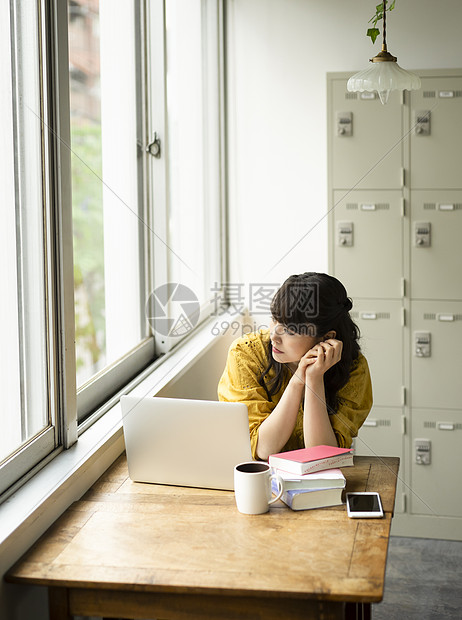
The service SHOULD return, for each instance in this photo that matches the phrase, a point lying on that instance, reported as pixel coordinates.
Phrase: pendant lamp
(385, 74)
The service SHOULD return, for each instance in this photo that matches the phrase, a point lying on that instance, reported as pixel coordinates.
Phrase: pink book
(308, 460)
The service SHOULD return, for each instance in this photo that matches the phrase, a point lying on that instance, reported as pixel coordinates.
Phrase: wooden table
(130, 550)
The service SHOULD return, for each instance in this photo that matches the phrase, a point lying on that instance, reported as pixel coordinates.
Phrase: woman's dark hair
(313, 304)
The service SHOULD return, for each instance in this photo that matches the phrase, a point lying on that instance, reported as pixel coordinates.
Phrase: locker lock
(422, 123)
(422, 344)
(344, 124)
(423, 451)
(422, 237)
(345, 234)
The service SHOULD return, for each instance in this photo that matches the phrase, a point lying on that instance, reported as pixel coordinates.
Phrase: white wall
(279, 52)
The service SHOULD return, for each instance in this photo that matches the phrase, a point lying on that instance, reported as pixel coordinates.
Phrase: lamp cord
(384, 38)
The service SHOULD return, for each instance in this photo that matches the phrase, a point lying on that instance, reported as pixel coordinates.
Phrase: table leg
(58, 602)
(357, 611)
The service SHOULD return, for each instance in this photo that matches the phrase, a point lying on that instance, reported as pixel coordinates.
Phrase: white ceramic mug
(252, 487)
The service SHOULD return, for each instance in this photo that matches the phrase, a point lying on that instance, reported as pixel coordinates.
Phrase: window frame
(60, 156)
(19, 466)
(74, 411)
(153, 194)
(158, 173)
(94, 393)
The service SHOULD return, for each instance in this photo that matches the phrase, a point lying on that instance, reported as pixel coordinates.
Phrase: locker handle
(370, 423)
(368, 316)
(445, 317)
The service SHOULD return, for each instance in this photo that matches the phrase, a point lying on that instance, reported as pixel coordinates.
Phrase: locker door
(382, 435)
(380, 322)
(436, 268)
(435, 488)
(371, 155)
(436, 373)
(435, 143)
(372, 265)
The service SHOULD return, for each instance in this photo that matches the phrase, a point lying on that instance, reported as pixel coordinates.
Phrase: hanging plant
(374, 32)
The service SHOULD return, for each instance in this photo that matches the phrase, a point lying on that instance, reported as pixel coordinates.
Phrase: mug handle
(280, 484)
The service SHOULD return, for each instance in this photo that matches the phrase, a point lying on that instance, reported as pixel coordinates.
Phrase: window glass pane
(107, 278)
(23, 360)
(193, 144)
(10, 418)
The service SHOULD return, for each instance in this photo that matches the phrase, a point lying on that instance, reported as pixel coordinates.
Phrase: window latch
(154, 147)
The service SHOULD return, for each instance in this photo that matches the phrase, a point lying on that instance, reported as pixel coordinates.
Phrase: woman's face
(289, 346)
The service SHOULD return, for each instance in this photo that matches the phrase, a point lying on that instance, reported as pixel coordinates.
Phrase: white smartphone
(365, 505)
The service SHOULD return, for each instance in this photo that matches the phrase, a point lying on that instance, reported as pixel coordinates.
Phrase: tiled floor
(423, 581)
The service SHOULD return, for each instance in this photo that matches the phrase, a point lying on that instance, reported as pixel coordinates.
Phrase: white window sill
(35, 506)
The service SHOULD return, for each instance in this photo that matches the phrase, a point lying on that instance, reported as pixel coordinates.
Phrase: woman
(304, 380)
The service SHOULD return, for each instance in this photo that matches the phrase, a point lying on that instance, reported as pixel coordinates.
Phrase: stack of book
(311, 476)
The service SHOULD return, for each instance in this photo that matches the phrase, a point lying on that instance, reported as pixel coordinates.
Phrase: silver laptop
(194, 443)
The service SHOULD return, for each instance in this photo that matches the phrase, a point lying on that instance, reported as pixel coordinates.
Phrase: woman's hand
(319, 359)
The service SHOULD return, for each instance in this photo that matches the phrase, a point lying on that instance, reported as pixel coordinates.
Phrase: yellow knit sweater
(247, 358)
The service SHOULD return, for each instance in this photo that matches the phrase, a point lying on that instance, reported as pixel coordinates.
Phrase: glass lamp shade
(383, 77)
